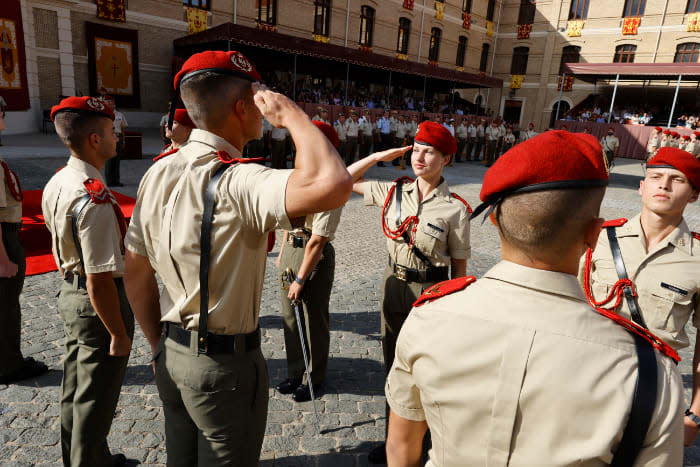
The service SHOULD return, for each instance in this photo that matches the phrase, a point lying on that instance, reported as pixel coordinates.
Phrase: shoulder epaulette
(227, 159)
(696, 235)
(615, 222)
(457, 197)
(164, 154)
(97, 191)
(444, 288)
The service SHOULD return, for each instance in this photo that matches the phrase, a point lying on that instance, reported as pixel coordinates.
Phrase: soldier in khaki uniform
(516, 368)
(654, 142)
(13, 366)
(321, 115)
(530, 133)
(492, 133)
(693, 146)
(342, 132)
(427, 230)
(661, 257)
(87, 230)
(462, 136)
(610, 144)
(366, 134)
(203, 330)
(352, 129)
(178, 134)
(308, 253)
(471, 141)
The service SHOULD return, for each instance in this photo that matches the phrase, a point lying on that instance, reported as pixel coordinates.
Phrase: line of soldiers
(663, 138)
(524, 366)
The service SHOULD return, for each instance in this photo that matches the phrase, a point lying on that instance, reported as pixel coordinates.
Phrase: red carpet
(36, 238)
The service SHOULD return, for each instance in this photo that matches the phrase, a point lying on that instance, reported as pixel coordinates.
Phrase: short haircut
(74, 128)
(209, 97)
(547, 223)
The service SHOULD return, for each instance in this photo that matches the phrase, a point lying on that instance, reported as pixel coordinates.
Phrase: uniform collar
(557, 283)
(216, 142)
(681, 237)
(441, 190)
(84, 168)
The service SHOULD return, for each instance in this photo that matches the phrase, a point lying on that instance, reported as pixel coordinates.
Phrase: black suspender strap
(77, 210)
(405, 235)
(622, 274)
(204, 257)
(642, 406)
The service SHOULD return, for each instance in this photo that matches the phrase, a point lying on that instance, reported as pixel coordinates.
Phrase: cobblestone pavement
(352, 406)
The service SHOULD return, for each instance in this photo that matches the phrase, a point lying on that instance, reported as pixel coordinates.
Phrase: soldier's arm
(312, 255)
(459, 268)
(405, 441)
(319, 181)
(105, 300)
(358, 169)
(142, 291)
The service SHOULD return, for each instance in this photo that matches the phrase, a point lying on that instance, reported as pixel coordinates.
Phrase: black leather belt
(434, 274)
(296, 241)
(216, 343)
(82, 280)
(11, 226)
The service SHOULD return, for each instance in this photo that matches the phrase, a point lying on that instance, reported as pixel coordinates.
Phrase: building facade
(62, 44)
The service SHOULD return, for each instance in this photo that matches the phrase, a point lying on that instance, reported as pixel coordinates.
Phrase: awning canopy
(237, 34)
(633, 71)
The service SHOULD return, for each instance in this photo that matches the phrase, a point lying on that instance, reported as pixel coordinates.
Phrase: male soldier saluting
(661, 256)
(178, 134)
(516, 368)
(209, 249)
(87, 230)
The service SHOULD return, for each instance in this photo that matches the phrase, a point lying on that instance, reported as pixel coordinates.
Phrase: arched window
(527, 12)
(434, 51)
(467, 6)
(461, 51)
(693, 6)
(366, 25)
(404, 34)
(491, 10)
(322, 17)
(579, 9)
(519, 64)
(634, 8)
(267, 11)
(569, 54)
(484, 57)
(687, 53)
(625, 53)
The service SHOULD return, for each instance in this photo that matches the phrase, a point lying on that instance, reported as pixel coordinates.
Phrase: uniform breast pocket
(671, 309)
(431, 236)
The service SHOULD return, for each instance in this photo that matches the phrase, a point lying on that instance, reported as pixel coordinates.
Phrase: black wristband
(693, 417)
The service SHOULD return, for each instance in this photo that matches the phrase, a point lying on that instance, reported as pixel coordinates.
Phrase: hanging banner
(408, 4)
(524, 31)
(113, 63)
(693, 22)
(196, 20)
(439, 10)
(111, 10)
(568, 83)
(489, 28)
(516, 81)
(630, 26)
(574, 28)
(466, 20)
(13, 69)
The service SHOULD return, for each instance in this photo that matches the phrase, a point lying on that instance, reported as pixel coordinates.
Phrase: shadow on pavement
(339, 457)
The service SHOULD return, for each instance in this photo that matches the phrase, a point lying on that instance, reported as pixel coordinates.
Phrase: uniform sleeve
(375, 192)
(134, 240)
(100, 239)
(401, 391)
(259, 193)
(458, 241)
(326, 223)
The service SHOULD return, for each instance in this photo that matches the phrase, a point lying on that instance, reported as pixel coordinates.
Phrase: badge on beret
(241, 62)
(95, 104)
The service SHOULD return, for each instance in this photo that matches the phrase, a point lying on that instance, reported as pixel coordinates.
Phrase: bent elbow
(337, 190)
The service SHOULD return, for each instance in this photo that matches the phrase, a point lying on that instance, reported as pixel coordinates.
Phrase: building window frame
(403, 36)
(692, 7)
(267, 12)
(625, 53)
(491, 10)
(518, 65)
(367, 15)
(201, 4)
(322, 17)
(634, 8)
(461, 51)
(579, 9)
(526, 14)
(689, 50)
(467, 6)
(434, 49)
(569, 54)
(484, 61)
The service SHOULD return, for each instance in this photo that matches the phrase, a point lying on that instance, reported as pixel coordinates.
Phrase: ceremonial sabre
(295, 304)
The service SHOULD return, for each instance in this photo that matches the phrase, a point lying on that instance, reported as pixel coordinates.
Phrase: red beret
(686, 136)
(435, 135)
(675, 134)
(696, 133)
(183, 118)
(230, 63)
(329, 131)
(667, 132)
(678, 159)
(87, 105)
(657, 128)
(552, 160)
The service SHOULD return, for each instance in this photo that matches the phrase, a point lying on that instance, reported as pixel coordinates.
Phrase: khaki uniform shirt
(501, 131)
(665, 142)
(366, 128)
(341, 129)
(492, 133)
(323, 224)
(98, 228)
(667, 278)
(393, 122)
(352, 128)
(443, 228)
(412, 129)
(472, 131)
(401, 129)
(693, 147)
(10, 208)
(518, 370)
(509, 138)
(278, 134)
(529, 134)
(462, 132)
(653, 143)
(480, 131)
(250, 202)
(318, 118)
(609, 143)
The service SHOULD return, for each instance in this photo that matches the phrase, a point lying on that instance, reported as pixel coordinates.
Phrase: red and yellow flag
(693, 24)
(489, 28)
(439, 11)
(574, 28)
(408, 4)
(466, 20)
(196, 20)
(112, 10)
(516, 81)
(631, 25)
(524, 31)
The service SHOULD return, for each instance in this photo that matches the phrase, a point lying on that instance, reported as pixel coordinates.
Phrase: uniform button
(681, 242)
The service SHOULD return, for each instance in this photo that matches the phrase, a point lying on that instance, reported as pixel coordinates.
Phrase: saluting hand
(390, 154)
(8, 268)
(275, 107)
(120, 346)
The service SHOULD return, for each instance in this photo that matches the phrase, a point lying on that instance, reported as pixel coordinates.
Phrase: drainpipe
(658, 36)
(235, 11)
(493, 57)
(347, 22)
(420, 40)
